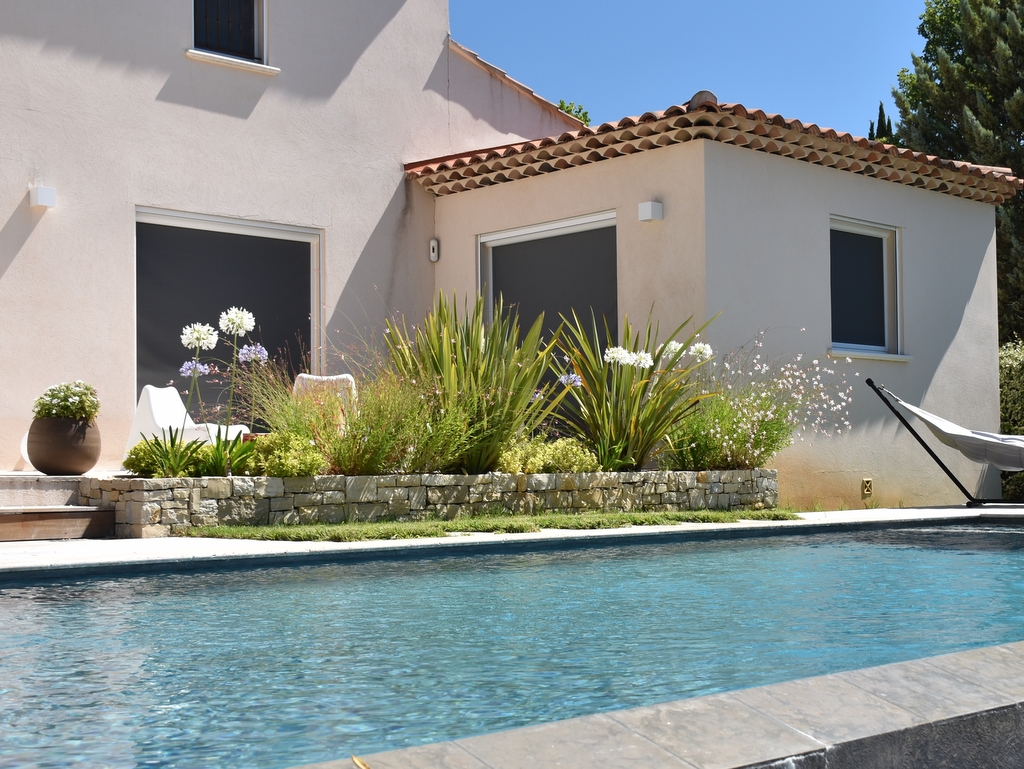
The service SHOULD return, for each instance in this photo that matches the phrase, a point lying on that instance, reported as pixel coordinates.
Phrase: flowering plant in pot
(63, 438)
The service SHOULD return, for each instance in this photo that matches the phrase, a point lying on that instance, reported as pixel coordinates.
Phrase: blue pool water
(286, 666)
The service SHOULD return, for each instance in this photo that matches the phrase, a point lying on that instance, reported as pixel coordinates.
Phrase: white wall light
(651, 211)
(435, 249)
(42, 197)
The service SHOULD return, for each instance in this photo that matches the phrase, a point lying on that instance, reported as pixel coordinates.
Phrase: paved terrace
(958, 710)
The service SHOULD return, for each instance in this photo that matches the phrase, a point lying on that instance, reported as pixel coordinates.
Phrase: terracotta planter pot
(63, 446)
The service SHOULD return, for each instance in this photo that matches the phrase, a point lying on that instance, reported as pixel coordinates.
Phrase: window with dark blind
(230, 27)
(863, 287)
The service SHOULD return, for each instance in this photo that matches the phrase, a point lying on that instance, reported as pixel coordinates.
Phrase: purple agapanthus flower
(251, 352)
(190, 367)
(570, 380)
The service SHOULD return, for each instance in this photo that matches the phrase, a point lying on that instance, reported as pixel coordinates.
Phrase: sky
(818, 61)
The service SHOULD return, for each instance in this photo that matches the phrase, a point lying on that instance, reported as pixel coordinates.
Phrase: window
(230, 27)
(863, 286)
(555, 268)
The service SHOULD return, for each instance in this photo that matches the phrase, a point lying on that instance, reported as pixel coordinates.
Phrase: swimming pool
(277, 667)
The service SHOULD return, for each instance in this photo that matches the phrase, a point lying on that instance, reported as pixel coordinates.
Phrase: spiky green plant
(624, 401)
(483, 370)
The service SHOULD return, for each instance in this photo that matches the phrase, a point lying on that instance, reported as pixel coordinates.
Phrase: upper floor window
(863, 287)
(230, 27)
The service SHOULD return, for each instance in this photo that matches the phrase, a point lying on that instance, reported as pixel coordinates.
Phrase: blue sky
(821, 62)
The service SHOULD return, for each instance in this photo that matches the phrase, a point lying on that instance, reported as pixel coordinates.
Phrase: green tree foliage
(964, 100)
(883, 133)
(574, 109)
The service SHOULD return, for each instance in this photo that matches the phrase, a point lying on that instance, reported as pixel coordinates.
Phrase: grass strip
(490, 523)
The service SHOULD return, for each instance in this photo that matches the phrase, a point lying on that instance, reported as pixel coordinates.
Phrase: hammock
(1003, 451)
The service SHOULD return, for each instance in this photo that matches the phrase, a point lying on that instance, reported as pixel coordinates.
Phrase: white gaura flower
(237, 321)
(199, 336)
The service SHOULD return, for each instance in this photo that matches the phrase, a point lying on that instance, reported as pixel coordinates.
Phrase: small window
(230, 27)
(863, 286)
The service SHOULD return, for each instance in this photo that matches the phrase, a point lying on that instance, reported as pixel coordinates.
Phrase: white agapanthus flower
(199, 336)
(700, 351)
(670, 348)
(624, 357)
(237, 321)
(642, 359)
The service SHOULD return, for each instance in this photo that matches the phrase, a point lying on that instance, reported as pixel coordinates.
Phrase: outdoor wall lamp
(42, 197)
(435, 249)
(652, 211)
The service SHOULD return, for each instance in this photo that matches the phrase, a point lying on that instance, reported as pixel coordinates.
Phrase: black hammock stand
(972, 501)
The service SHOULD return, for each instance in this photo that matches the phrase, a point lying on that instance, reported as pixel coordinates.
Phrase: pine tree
(965, 100)
(871, 130)
(881, 134)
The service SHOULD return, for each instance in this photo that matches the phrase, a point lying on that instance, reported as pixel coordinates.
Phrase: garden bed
(157, 507)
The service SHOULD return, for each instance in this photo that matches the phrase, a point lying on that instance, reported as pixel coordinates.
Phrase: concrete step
(36, 490)
(26, 522)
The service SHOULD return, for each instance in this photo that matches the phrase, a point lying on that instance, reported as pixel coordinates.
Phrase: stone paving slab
(52, 558)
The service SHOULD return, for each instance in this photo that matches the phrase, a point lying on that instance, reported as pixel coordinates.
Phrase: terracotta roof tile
(723, 122)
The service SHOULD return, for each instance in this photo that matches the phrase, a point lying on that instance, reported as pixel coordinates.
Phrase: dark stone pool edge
(416, 549)
(954, 711)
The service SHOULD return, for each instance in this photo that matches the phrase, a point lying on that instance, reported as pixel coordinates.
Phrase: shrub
(537, 455)
(1011, 400)
(400, 426)
(754, 408)
(168, 457)
(480, 370)
(623, 403)
(286, 455)
(68, 400)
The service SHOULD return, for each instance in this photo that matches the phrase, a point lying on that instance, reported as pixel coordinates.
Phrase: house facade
(844, 249)
(271, 156)
(199, 161)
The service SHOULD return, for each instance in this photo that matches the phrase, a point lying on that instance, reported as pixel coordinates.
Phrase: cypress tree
(964, 100)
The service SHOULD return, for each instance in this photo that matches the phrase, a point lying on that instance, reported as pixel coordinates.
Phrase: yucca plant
(624, 401)
(483, 370)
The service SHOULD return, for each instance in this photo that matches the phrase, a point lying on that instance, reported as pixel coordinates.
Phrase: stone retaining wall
(157, 507)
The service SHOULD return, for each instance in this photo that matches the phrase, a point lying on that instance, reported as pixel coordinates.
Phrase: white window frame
(310, 235)
(261, 47)
(891, 286)
(488, 241)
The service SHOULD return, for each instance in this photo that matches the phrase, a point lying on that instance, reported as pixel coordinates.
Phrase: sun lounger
(1003, 451)
(341, 385)
(160, 409)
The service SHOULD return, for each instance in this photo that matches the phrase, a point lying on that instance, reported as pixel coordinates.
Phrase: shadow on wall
(136, 34)
(16, 231)
(392, 275)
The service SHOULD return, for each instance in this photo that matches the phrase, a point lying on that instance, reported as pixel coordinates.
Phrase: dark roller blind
(226, 26)
(858, 289)
(559, 274)
(186, 276)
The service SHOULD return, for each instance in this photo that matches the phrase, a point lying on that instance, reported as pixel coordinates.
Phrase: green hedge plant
(538, 455)
(624, 401)
(489, 372)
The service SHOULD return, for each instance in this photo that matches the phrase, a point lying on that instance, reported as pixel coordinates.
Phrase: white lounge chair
(160, 409)
(1005, 452)
(342, 385)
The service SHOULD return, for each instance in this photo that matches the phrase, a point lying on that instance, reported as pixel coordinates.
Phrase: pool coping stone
(58, 559)
(847, 720)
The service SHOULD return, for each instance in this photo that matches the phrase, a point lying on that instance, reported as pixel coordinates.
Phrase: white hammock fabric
(1004, 451)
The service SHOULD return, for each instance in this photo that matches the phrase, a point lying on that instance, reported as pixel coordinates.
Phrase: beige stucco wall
(101, 103)
(768, 238)
(747, 234)
(660, 264)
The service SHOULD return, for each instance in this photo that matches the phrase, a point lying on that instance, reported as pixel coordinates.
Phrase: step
(35, 490)
(25, 522)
